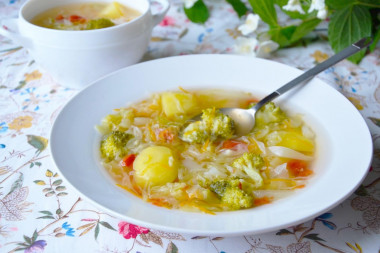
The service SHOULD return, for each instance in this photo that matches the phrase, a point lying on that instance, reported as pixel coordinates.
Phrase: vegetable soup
(85, 16)
(153, 151)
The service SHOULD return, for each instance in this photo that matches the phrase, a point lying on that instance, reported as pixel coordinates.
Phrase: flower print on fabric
(3, 127)
(167, 21)
(36, 247)
(20, 123)
(128, 230)
(69, 230)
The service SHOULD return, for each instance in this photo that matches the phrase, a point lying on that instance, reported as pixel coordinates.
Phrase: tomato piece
(59, 17)
(298, 168)
(76, 18)
(232, 144)
(166, 135)
(128, 160)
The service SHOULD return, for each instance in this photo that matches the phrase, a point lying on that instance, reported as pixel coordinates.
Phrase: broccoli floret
(221, 125)
(236, 199)
(195, 133)
(113, 145)
(251, 164)
(269, 113)
(99, 23)
(231, 194)
(213, 125)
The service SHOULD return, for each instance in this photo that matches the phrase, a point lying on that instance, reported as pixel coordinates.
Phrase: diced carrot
(59, 17)
(159, 202)
(262, 201)
(205, 145)
(76, 18)
(232, 144)
(298, 168)
(128, 160)
(166, 135)
(129, 190)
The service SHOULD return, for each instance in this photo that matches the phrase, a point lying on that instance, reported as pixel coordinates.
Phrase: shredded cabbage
(204, 164)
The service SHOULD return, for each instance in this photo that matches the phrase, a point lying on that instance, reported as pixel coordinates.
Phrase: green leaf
(61, 194)
(39, 182)
(17, 184)
(238, 6)
(46, 212)
(58, 211)
(376, 39)
(96, 231)
(46, 217)
(304, 29)
(57, 182)
(19, 249)
(172, 248)
(341, 4)
(47, 189)
(288, 32)
(49, 194)
(31, 165)
(35, 235)
(286, 36)
(347, 26)
(313, 237)
(38, 164)
(106, 224)
(198, 237)
(27, 240)
(198, 13)
(279, 35)
(284, 232)
(265, 9)
(22, 244)
(361, 191)
(60, 188)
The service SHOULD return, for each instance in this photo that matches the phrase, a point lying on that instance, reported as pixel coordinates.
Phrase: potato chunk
(113, 10)
(175, 103)
(290, 140)
(155, 166)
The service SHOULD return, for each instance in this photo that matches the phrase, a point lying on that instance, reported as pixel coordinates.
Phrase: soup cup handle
(159, 16)
(9, 29)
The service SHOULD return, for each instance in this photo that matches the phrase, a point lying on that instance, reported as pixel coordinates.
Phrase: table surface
(41, 212)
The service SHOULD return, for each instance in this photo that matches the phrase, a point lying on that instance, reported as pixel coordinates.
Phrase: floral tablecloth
(40, 212)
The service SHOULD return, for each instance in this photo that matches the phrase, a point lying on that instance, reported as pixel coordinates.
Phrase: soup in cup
(76, 58)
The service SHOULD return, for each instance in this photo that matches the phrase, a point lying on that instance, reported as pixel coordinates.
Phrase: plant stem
(307, 231)
(62, 217)
(330, 248)
(28, 162)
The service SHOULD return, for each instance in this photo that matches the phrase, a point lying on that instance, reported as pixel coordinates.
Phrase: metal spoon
(244, 119)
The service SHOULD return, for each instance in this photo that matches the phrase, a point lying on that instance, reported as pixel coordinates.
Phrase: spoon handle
(348, 51)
